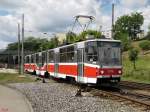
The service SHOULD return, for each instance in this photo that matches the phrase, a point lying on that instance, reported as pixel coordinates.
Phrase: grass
(142, 72)
(13, 78)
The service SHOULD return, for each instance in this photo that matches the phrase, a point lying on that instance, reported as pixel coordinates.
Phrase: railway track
(136, 100)
(135, 85)
(125, 96)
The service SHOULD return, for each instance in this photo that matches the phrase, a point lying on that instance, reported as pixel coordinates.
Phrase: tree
(130, 24)
(82, 35)
(30, 44)
(133, 56)
(124, 39)
(95, 33)
(71, 37)
(12, 46)
(54, 42)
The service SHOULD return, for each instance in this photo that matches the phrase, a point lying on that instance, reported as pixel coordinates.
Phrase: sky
(57, 16)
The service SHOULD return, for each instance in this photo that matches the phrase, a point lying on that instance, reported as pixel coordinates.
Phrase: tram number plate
(110, 71)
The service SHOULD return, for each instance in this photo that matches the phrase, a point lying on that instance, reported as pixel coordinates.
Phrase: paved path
(13, 101)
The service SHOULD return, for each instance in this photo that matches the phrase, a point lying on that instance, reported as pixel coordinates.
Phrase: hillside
(142, 72)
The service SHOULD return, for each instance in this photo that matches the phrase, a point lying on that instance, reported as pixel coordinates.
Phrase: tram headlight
(102, 71)
(119, 71)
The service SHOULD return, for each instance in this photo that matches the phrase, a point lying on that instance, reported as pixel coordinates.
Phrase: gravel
(60, 97)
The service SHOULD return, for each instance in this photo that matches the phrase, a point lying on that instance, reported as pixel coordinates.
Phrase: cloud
(130, 6)
(11, 4)
(8, 27)
(57, 15)
(133, 3)
(146, 14)
(48, 16)
(3, 44)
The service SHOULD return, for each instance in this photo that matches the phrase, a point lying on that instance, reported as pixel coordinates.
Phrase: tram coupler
(80, 90)
(43, 81)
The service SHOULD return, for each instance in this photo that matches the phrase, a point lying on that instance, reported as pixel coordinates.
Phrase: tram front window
(109, 53)
(91, 53)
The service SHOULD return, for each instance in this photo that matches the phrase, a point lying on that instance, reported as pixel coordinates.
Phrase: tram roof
(90, 40)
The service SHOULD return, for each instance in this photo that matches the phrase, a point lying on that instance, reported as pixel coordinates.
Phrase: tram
(92, 61)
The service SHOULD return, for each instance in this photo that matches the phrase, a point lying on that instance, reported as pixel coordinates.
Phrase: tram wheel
(46, 75)
(34, 72)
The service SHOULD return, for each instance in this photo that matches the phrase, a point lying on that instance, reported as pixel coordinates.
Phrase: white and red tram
(90, 62)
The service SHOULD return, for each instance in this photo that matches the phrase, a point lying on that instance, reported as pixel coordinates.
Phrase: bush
(126, 45)
(145, 45)
(148, 33)
(133, 56)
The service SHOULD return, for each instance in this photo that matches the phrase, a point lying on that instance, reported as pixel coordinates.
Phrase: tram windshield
(103, 53)
(109, 53)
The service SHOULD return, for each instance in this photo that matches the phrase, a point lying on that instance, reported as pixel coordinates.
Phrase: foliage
(145, 45)
(133, 56)
(54, 42)
(130, 24)
(96, 34)
(82, 35)
(124, 39)
(148, 36)
(141, 74)
(35, 44)
(30, 43)
(71, 37)
(44, 44)
(12, 46)
(148, 33)
(38, 44)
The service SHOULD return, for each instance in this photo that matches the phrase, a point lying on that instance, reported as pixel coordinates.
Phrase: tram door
(80, 64)
(56, 61)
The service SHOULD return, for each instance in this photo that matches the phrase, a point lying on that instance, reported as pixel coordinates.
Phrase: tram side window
(32, 58)
(28, 59)
(57, 57)
(37, 58)
(70, 54)
(67, 54)
(40, 59)
(51, 56)
(91, 55)
(43, 58)
(63, 54)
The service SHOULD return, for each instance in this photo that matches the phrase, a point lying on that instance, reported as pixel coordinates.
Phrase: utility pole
(19, 48)
(112, 29)
(22, 50)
